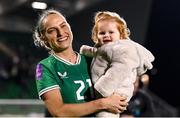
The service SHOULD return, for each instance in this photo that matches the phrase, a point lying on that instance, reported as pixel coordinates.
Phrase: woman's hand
(116, 103)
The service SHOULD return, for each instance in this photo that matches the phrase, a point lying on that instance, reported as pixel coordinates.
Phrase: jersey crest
(39, 72)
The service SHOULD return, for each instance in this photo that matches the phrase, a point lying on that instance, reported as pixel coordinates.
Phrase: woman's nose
(59, 32)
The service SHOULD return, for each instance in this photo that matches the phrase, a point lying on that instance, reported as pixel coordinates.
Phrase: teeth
(62, 39)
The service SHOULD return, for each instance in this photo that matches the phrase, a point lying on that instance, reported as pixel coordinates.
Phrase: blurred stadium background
(153, 23)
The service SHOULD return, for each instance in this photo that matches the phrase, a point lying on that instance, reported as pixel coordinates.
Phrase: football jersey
(72, 80)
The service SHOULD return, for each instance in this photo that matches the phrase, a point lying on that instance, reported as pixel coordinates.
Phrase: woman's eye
(62, 26)
(51, 31)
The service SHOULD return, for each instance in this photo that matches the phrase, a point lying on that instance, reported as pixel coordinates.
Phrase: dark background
(153, 23)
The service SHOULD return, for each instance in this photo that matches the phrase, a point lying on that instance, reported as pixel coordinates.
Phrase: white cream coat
(116, 65)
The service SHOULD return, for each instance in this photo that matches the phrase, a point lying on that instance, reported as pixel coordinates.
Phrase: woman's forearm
(54, 103)
(81, 109)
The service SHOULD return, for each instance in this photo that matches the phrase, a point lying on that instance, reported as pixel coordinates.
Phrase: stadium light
(39, 5)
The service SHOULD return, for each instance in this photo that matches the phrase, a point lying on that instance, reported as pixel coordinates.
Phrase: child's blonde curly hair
(107, 15)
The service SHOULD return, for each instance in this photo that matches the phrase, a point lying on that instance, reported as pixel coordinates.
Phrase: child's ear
(121, 37)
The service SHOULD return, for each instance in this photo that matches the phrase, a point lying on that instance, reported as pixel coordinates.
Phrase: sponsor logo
(64, 75)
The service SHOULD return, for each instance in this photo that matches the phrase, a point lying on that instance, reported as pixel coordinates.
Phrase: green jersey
(72, 80)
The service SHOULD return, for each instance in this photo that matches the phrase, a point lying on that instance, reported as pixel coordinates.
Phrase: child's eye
(101, 33)
(111, 32)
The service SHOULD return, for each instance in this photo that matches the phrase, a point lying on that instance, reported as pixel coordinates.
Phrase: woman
(62, 79)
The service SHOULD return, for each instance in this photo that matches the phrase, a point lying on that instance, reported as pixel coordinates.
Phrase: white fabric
(116, 65)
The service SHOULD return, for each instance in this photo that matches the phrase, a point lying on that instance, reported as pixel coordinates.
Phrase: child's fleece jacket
(116, 65)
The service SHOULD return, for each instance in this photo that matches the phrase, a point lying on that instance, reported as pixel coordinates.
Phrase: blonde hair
(38, 32)
(107, 15)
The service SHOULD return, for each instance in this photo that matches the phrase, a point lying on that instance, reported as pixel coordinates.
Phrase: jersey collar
(66, 61)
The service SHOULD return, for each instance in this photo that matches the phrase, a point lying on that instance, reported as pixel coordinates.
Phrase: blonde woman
(62, 78)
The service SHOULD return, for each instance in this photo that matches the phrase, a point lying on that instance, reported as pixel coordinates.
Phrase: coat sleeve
(121, 74)
(146, 59)
(88, 50)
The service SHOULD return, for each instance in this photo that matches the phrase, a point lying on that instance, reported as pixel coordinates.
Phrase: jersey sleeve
(45, 79)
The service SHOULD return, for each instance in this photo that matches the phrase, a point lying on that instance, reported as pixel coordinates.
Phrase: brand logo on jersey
(39, 72)
(64, 75)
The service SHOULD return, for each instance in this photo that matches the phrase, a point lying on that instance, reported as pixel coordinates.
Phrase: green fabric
(72, 80)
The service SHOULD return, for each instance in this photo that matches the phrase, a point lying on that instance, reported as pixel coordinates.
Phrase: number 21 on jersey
(81, 88)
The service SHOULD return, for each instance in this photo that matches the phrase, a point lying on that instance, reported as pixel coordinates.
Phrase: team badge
(39, 72)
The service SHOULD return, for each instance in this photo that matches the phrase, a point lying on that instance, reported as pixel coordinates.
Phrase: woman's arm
(54, 103)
